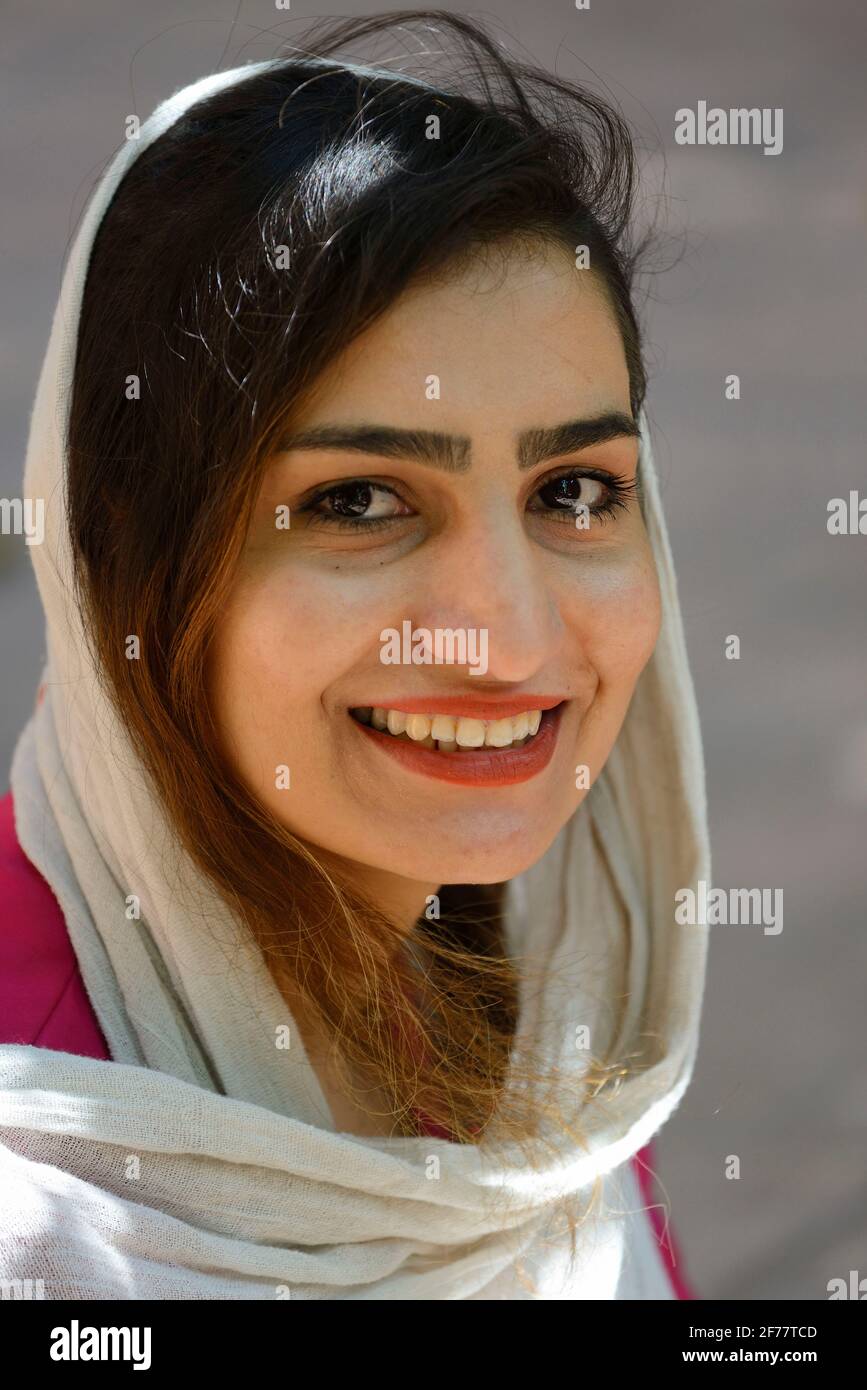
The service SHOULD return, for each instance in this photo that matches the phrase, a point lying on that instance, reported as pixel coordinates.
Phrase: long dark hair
(243, 249)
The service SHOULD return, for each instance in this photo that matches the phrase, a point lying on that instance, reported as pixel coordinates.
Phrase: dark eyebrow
(536, 445)
(448, 451)
(452, 452)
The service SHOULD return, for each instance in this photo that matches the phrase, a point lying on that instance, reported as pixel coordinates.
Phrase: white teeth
(443, 728)
(470, 733)
(449, 734)
(500, 733)
(418, 726)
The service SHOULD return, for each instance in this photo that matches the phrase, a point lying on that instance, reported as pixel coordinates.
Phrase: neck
(404, 900)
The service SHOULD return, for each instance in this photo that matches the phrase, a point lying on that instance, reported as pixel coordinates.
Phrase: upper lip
(471, 706)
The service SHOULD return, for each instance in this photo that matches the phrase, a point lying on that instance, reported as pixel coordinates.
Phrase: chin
(496, 862)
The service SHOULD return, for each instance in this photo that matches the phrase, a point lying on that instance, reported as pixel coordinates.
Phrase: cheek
(283, 640)
(619, 617)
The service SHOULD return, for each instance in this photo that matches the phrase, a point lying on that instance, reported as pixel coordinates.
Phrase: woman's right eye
(360, 505)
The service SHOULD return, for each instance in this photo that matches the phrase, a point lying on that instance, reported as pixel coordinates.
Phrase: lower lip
(483, 767)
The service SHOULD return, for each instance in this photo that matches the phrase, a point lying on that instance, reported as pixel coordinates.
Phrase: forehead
(516, 334)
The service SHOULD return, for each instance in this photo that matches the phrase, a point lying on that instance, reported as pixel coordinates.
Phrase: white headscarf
(203, 1160)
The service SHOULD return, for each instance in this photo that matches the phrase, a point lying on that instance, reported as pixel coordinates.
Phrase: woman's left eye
(600, 493)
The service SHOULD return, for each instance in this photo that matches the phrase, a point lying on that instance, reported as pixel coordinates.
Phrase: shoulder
(43, 1001)
(656, 1206)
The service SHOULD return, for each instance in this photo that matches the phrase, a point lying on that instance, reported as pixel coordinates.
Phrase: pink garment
(43, 1001)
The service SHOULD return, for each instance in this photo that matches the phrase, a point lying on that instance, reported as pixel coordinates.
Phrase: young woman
(366, 765)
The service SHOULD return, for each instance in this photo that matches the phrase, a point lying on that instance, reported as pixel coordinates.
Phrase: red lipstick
(475, 767)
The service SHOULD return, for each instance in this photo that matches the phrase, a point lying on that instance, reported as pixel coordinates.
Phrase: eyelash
(620, 494)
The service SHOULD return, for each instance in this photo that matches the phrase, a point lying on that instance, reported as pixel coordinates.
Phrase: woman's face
(455, 514)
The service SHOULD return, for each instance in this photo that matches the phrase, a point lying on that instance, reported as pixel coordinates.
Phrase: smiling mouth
(465, 750)
(455, 735)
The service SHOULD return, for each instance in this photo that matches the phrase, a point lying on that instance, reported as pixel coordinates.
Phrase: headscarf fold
(203, 1160)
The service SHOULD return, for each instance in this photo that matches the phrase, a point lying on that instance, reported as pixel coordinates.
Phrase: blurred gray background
(769, 284)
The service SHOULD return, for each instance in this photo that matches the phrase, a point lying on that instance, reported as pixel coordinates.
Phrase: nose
(486, 575)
